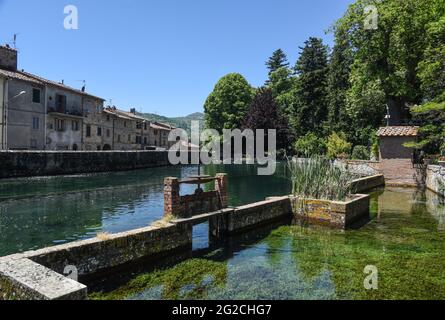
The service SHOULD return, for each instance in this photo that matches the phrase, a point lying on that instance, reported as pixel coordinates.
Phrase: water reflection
(285, 261)
(39, 212)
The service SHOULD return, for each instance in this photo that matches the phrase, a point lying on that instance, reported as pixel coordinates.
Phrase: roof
(124, 114)
(36, 80)
(405, 131)
(161, 126)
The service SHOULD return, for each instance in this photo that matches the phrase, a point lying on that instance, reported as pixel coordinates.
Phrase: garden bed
(337, 214)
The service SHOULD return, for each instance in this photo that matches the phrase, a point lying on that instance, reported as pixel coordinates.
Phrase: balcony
(70, 112)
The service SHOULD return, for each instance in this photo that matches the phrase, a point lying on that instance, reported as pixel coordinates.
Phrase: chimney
(8, 58)
(133, 111)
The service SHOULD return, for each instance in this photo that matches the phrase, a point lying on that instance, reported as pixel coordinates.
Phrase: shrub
(319, 178)
(360, 153)
(310, 145)
(337, 146)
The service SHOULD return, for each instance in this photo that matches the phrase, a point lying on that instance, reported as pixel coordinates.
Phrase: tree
(277, 61)
(282, 84)
(227, 105)
(338, 85)
(338, 146)
(310, 145)
(264, 114)
(388, 57)
(310, 107)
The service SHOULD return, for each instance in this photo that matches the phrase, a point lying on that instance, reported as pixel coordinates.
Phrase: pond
(40, 212)
(405, 241)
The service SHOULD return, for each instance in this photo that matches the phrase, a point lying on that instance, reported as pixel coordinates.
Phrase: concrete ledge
(94, 255)
(24, 279)
(335, 214)
(435, 179)
(15, 164)
(255, 214)
(368, 183)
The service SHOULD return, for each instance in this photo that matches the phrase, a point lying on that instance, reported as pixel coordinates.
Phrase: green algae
(405, 240)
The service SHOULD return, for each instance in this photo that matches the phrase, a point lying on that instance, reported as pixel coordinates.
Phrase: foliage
(360, 153)
(226, 106)
(338, 146)
(278, 60)
(310, 145)
(177, 122)
(309, 111)
(319, 178)
(264, 114)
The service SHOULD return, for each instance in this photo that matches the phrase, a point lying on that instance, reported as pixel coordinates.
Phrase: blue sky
(162, 56)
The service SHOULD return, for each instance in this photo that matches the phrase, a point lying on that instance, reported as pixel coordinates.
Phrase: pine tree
(338, 85)
(265, 114)
(310, 110)
(277, 61)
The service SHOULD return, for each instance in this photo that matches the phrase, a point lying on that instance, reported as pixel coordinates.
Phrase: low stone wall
(335, 214)
(45, 163)
(361, 167)
(435, 179)
(368, 183)
(23, 279)
(254, 214)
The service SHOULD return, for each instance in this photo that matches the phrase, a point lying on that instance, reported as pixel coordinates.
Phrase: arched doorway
(106, 147)
(75, 147)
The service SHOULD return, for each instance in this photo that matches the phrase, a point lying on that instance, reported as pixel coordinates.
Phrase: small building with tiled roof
(392, 141)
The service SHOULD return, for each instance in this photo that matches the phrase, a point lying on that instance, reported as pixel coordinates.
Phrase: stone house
(40, 114)
(159, 136)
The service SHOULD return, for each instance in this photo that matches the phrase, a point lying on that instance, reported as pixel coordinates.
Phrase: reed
(319, 178)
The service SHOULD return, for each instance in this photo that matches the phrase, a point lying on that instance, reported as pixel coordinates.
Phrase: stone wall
(200, 202)
(43, 163)
(435, 179)
(255, 214)
(368, 183)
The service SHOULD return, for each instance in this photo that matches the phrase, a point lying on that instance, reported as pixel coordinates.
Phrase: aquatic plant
(319, 178)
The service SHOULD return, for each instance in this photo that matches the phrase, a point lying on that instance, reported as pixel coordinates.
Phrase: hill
(178, 122)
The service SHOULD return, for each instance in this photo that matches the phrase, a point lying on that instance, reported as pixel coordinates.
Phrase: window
(99, 131)
(75, 125)
(35, 123)
(138, 139)
(108, 133)
(88, 133)
(125, 124)
(108, 117)
(118, 138)
(60, 103)
(145, 126)
(156, 132)
(139, 125)
(145, 140)
(129, 138)
(60, 125)
(36, 95)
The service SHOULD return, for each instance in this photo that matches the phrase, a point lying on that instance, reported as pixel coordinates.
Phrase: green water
(40, 212)
(405, 241)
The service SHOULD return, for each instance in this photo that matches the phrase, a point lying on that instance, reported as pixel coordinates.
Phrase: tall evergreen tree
(338, 85)
(277, 61)
(265, 114)
(310, 107)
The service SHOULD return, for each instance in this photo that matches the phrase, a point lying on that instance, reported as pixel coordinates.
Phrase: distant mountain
(178, 122)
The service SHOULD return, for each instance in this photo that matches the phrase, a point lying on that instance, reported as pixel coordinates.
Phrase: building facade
(39, 114)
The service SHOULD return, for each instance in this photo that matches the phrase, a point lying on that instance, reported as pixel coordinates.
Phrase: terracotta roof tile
(405, 131)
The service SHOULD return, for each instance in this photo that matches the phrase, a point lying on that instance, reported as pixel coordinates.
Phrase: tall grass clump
(319, 178)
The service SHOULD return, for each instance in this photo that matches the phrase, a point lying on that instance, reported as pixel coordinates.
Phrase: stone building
(39, 114)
